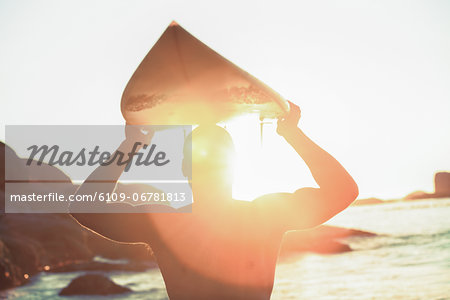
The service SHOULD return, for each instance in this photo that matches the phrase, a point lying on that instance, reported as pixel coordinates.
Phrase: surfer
(225, 249)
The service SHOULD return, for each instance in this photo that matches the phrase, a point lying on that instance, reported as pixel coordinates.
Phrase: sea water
(408, 259)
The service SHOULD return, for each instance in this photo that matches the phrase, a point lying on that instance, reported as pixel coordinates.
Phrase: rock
(418, 195)
(30, 243)
(10, 273)
(38, 241)
(322, 239)
(442, 184)
(93, 284)
(441, 188)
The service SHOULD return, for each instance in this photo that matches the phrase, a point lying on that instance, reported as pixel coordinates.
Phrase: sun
(265, 163)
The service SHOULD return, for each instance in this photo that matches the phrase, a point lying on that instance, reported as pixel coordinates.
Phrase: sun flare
(265, 163)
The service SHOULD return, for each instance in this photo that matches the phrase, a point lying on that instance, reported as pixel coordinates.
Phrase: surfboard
(183, 81)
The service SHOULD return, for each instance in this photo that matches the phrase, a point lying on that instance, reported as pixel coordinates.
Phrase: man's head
(213, 156)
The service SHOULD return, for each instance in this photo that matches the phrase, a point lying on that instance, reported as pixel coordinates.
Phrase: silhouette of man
(227, 249)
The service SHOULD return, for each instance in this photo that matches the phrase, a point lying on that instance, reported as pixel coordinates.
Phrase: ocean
(408, 259)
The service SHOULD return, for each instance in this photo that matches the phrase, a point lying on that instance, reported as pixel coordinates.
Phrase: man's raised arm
(122, 227)
(309, 207)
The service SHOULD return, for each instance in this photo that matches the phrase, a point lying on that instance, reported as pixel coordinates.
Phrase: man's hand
(138, 133)
(288, 122)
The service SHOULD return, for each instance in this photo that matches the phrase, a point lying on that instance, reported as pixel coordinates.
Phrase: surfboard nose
(183, 81)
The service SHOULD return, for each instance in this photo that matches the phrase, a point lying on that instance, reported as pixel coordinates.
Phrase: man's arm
(122, 227)
(309, 207)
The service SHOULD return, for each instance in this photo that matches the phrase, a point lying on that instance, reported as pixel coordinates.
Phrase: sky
(372, 78)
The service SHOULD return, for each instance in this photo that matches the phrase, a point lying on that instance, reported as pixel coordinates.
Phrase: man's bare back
(230, 253)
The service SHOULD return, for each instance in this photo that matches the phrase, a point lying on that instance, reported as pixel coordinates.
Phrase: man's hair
(209, 144)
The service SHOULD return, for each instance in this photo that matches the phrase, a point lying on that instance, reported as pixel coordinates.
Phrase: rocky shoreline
(31, 243)
(441, 190)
